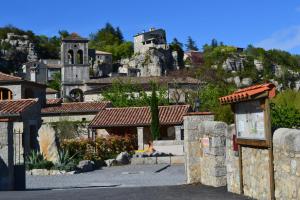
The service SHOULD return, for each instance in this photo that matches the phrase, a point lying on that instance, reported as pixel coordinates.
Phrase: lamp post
(197, 104)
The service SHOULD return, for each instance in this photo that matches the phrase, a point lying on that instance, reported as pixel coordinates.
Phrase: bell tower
(75, 66)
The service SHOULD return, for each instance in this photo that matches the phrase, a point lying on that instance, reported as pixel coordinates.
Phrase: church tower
(75, 66)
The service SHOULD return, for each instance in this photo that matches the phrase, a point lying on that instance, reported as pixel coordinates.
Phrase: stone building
(154, 38)
(101, 63)
(75, 66)
(136, 121)
(19, 122)
(152, 55)
(15, 88)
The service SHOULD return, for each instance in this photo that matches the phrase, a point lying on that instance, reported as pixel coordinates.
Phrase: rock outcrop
(154, 62)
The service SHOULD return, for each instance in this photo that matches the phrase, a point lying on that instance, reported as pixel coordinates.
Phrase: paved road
(184, 192)
(119, 176)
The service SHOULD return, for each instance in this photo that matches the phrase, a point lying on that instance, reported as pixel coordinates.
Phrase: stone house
(14, 88)
(19, 122)
(137, 120)
(102, 63)
(80, 112)
(154, 38)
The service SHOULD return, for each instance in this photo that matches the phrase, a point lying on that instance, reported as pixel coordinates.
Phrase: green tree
(56, 81)
(111, 39)
(154, 114)
(191, 44)
(129, 93)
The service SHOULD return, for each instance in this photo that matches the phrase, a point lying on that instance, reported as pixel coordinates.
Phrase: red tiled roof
(76, 107)
(138, 116)
(7, 77)
(248, 93)
(15, 107)
(54, 101)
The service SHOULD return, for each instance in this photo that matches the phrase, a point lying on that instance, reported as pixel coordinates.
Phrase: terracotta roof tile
(15, 107)
(7, 77)
(248, 93)
(76, 107)
(54, 101)
(138, 116)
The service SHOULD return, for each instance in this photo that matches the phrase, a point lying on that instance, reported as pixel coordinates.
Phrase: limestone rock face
(154, 62)
(47, 142)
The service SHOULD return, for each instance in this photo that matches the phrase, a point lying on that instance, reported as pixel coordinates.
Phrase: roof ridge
(183, 105)
(9, 75)
(86, 102)
(16, 100)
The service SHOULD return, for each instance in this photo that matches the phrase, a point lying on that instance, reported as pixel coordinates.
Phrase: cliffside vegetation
(111, 39)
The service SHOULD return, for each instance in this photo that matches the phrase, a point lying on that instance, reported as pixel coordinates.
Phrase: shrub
(101, 149)
(66, 161)
(209, 101)
(285, 110)
(35, 160)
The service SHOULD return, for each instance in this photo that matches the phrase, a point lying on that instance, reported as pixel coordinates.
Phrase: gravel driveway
(118, 176)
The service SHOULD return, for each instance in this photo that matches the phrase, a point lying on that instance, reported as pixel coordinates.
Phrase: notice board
(250, 122)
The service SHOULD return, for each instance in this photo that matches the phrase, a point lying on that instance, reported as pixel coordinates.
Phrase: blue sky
(264, 23)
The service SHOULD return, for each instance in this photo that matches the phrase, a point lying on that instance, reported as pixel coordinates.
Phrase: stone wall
(286, 143)
(255, 164)
(204, 143)
(232, 163)
(6, 156)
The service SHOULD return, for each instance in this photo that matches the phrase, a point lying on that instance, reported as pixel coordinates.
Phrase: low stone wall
(169, 160)
(175, 147)
(286, 143)
(205, 151)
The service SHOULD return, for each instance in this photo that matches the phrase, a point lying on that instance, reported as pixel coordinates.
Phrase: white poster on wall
(249, 118)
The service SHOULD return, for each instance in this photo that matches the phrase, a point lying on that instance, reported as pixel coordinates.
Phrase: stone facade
(204, 144)
(154, 38)
(286, 144)
(255, 162)
(75, 67)
(232, 162)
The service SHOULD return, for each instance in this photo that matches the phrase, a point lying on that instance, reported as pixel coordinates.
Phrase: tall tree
(191, 44)
(154, 114)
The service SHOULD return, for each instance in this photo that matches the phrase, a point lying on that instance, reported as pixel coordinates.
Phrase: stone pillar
(140, 133)
(177, 132)
(192, 142)
(6, 156)
(204, 142)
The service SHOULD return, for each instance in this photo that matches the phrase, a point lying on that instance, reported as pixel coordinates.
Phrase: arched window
(5, 94)
(76, 95)
(79, 57)
(70, 57)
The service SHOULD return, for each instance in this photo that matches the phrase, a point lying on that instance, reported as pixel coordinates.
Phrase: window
(70, 57)
(5, 94)
(79, 57)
